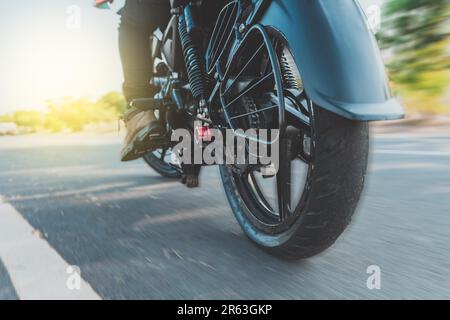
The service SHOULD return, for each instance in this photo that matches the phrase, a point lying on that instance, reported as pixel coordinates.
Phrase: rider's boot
(144, 133)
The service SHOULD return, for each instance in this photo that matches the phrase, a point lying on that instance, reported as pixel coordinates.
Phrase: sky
(51, 49)
(47, 55)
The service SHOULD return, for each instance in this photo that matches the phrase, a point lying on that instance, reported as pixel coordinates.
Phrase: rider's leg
(139, 19)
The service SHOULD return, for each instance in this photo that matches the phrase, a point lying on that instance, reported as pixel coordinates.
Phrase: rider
(139, 19)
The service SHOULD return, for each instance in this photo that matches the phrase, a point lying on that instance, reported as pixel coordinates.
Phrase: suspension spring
(289, 79)
(194, 63)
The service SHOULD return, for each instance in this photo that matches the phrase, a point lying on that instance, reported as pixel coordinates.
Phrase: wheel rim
(274, 203)
(162, 159)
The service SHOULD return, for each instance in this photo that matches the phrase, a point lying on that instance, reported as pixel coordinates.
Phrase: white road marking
(36, 270)
(414, 152)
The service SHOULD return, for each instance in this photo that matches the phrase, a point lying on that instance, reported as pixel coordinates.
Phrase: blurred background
(60, 63)
(61, 69)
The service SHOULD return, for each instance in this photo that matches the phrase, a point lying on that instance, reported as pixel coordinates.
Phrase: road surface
(135, 235)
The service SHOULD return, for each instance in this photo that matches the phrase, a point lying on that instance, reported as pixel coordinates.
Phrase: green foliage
(6, 118)
(415, 35)
(114, 101)
(34, 120)
(70, 114)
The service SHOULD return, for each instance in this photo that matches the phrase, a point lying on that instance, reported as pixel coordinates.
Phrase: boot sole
(144, 141)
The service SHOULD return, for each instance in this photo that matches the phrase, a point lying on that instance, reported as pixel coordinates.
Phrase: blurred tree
(33, 120)
(75, 114)
(415, 35)
(6, 118)
(70, 114)
(113, 100)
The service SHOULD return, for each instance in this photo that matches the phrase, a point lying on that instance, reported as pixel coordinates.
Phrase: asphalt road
(136, 235)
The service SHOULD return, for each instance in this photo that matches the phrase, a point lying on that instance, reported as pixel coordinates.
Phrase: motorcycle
(309, 69)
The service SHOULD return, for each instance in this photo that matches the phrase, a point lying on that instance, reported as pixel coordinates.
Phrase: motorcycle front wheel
(302, 209)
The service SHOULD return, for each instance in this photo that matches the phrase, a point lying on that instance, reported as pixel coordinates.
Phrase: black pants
(139, 19)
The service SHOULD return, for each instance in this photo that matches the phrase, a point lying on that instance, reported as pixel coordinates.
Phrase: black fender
(337, 55)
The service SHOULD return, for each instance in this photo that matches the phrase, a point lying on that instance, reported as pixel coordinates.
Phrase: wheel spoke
(302, 101)
(243, 69)
(304, 158)
(298, 110)
(249, 88)
(253, 112)
(216, 33)
(163, 154)
(305, 150)
(258, 191)
(284, 183)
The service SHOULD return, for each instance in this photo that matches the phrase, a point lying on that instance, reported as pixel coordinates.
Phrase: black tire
(333, 188)
(161, 167)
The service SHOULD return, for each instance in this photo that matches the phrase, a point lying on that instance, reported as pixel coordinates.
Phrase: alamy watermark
(373, 14)
(74, 278)
(73, 20)
(374, 280)
(212, 146)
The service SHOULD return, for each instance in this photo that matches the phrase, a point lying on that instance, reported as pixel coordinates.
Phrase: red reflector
(204, 133)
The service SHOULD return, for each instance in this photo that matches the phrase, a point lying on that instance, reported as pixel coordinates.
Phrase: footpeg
(146, 104)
